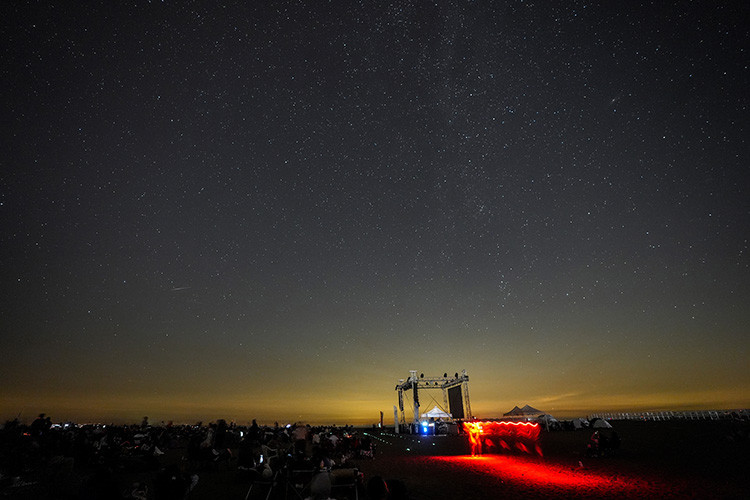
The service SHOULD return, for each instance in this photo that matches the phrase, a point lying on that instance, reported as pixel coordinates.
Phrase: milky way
(277, 210)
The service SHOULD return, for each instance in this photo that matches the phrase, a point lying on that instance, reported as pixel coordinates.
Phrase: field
(667, 459)
(673, 459)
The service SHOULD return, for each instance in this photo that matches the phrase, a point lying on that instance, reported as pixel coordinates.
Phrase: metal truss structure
(416, 383)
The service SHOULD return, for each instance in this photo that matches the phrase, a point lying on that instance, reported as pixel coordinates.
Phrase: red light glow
(499, 436)
(557, 479)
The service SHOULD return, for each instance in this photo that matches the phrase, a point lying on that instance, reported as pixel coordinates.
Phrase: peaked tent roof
(436, 413)
(599, 423)
(515, 411)
(525, 411)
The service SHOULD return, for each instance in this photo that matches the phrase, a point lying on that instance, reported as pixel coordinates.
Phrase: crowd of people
(89, 461)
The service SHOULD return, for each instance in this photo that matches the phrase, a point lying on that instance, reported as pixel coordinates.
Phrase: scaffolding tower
(455, 393)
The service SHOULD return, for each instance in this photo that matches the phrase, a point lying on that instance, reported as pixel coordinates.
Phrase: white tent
(580, 423)
(547, 421)
(436, 413)
(599, 423)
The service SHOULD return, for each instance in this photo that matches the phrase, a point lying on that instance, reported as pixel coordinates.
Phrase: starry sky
(275, 210)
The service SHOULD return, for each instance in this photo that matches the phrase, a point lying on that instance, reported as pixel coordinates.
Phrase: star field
(276, 210)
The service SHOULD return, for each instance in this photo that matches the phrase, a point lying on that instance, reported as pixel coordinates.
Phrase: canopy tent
(436, 413)
(526, 411)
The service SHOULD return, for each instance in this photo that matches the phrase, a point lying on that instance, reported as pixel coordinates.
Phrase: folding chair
(260, 482)
(299, 481)
(268, 451)
(346, 479)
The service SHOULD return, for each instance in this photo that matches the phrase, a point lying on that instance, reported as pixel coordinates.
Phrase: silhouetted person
(38, 426)
(593, 446)
(254, 431)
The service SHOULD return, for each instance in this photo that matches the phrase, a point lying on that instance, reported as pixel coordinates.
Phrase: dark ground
(672, 459)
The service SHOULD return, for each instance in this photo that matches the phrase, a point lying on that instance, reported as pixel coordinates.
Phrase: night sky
(275, 210)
